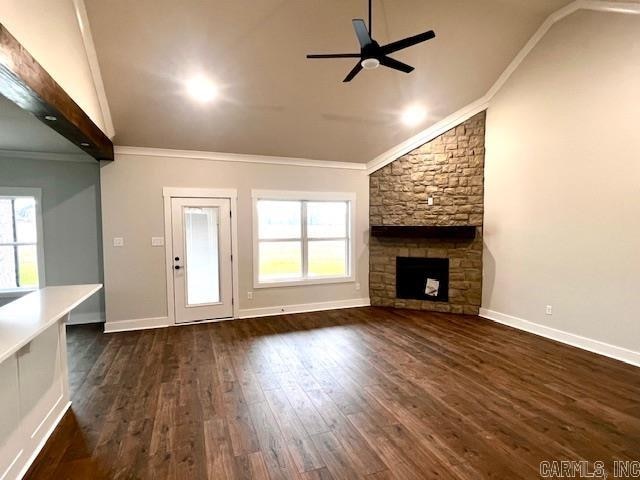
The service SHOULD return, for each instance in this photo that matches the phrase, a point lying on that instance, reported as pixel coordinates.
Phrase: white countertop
(26, 318)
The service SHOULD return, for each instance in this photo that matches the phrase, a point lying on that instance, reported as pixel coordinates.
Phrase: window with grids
(19, 248)
(302, 241)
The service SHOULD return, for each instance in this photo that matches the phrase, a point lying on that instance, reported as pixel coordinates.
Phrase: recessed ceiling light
(201, 89)
(50, 118)
(413, 115)
(84, 144)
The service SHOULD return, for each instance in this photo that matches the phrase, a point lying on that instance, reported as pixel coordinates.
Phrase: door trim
(180, 192)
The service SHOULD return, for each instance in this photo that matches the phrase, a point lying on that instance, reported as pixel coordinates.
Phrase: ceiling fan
(372, 55)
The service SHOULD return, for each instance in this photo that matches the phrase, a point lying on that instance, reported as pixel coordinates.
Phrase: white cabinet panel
(41, 387)
(11, 445)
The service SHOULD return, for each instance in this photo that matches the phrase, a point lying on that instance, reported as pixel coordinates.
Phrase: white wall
(562, 186)
(132, 207)
(50, 32)
(71, 223)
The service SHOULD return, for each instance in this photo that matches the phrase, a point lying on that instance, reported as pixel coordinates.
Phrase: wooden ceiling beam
(27, 84)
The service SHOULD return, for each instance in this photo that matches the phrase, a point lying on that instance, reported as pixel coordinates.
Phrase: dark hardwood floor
(363, 393)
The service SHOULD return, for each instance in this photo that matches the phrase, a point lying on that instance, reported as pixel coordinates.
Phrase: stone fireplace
(449, 170)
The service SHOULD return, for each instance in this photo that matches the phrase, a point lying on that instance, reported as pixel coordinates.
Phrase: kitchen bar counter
(34, 382)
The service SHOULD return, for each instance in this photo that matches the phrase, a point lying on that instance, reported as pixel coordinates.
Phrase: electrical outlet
(358, 286)
(430, 201)
(157, 241)
(549, 310)
(118, 242)
(250, 295)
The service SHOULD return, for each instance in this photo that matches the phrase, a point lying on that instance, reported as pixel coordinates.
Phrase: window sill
(17, 293)
(302, 283)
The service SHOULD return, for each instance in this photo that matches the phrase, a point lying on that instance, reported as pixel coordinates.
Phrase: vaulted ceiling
(276, 102)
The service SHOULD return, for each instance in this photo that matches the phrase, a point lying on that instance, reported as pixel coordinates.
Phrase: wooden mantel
(29, 86)
(462, 232)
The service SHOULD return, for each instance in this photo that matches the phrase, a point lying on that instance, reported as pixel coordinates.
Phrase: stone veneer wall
(450, 169)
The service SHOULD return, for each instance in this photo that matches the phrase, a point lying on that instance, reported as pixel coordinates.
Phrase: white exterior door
(202, 263)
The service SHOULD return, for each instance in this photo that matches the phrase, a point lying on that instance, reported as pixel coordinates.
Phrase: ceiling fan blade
(353, 73)
(395, 64)
(334, 55)
(407, 42)
(361, 32)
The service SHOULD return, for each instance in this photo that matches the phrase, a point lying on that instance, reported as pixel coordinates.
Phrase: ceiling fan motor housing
(370, 50)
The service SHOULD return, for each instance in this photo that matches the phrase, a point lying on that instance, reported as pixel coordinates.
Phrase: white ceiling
(22, 132)
(276, 102)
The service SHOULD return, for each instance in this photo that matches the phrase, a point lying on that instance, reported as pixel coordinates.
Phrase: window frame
(280, 195)
(11, 192)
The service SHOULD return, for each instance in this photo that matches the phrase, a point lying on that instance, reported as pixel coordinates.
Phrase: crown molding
(58, 157)
(596, 5)
(236, 157)
(94, 66)
(483, 102)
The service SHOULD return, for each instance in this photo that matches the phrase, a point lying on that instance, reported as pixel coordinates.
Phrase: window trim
(300, 196)
(37, 194)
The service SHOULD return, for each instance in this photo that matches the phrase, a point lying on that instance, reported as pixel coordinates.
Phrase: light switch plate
(430, 201)
(157, 241)
(118, 242)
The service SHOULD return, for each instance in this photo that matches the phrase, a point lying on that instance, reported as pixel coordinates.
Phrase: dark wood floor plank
(257, 466)
(320, 474)
(273, 445)
(338, 463)
(363, 457)
(241, 429)
(220, 463)
(299, 444)
(369, 393)
(305, 410)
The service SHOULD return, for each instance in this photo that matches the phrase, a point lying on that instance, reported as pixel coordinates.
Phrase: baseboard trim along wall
(595, 346)
(161, 322)
(136, 324)
(84, 318)
(302, 308)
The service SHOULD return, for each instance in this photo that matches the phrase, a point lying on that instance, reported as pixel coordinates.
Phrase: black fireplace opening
(422, 278)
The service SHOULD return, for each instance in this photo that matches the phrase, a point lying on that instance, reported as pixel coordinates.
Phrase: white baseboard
(161, 322)
(302, 308)
(136, 324)
(595, 346)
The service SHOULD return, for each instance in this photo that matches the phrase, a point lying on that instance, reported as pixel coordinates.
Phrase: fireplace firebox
(422, 278)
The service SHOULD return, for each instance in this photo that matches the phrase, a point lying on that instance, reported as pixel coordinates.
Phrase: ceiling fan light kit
(370, 63)
(372, 55)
